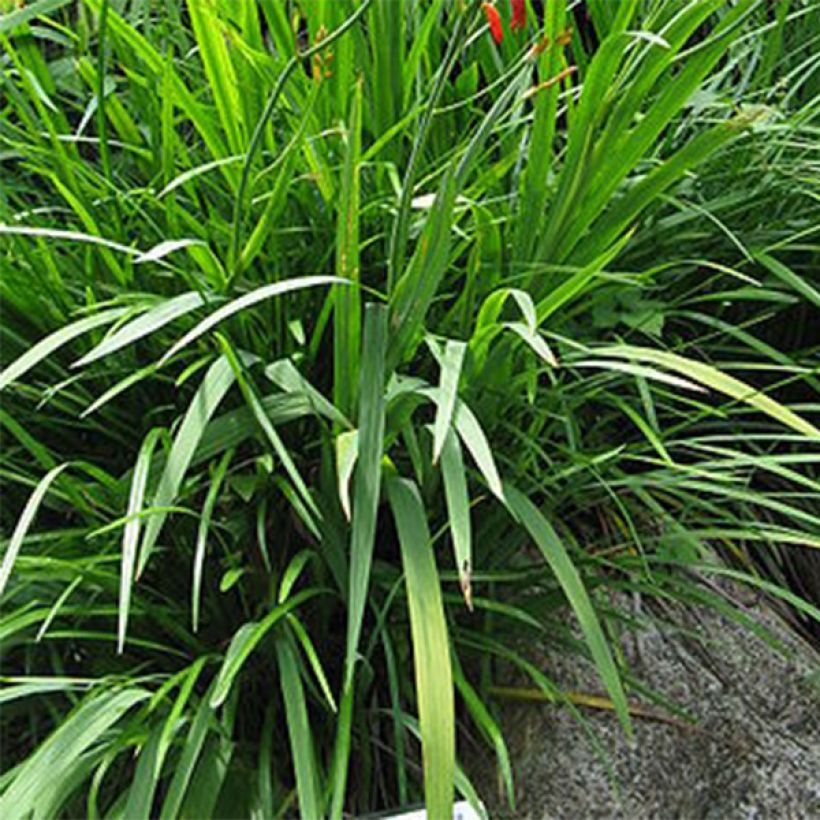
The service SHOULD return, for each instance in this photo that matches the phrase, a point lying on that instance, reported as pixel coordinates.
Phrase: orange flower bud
(519, 14)
(494, 21)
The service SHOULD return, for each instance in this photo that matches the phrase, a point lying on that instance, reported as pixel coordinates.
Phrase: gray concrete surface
(755, 751)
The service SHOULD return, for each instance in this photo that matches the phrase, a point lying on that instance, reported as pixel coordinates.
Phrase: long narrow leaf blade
(431, 648)
(556, 556)
(214, 386)
(24, 522)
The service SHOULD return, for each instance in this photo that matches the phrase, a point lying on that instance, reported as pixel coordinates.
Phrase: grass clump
(346, 350)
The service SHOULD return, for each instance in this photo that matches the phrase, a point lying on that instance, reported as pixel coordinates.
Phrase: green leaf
(230, 578)
(367, 480)
(20, 16)
(202, 534)
(172, 724)
(54, 341)
(213, 51)
(458, 510)
(347, 306)
(165, 248)
(202, 723)
(566, 573)
(366, 496)
(299, 732)
(215, 384)
(24, 522)
(476, 442)
(246, 301)
(450, 365)
(309, 512)
(130, 536)
(431, 648)
(245, 641)
(49, 767)
(714, 378)
(788, 276)
(489, 728)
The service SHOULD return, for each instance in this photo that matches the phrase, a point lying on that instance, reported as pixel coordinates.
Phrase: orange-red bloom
(494, 21)
(519, 14)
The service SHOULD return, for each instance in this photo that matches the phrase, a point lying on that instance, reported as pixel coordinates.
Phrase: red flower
(494, 21)
(519, 14)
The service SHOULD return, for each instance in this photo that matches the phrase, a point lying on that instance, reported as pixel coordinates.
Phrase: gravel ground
(755, 751)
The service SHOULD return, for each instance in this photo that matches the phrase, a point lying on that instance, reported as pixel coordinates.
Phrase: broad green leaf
(534, 340)
(367, 479)
(479, 448)
(149, 767)
(208, 777)
(202, 723)
(299, 732)
(431, 648)
(50, 764)
(366, 497)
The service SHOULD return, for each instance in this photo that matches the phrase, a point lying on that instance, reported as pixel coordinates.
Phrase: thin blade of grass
(54, 341)
(144, 325)
(202, 535)
(367, 480)
(556, 556)
(215, 384)
(130, 537)
(450, 372)
(458, 509)
(24, 522)
(246, 639)
(246, 301)
(715, 379)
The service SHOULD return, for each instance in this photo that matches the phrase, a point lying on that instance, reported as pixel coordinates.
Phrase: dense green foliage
(350, 356)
